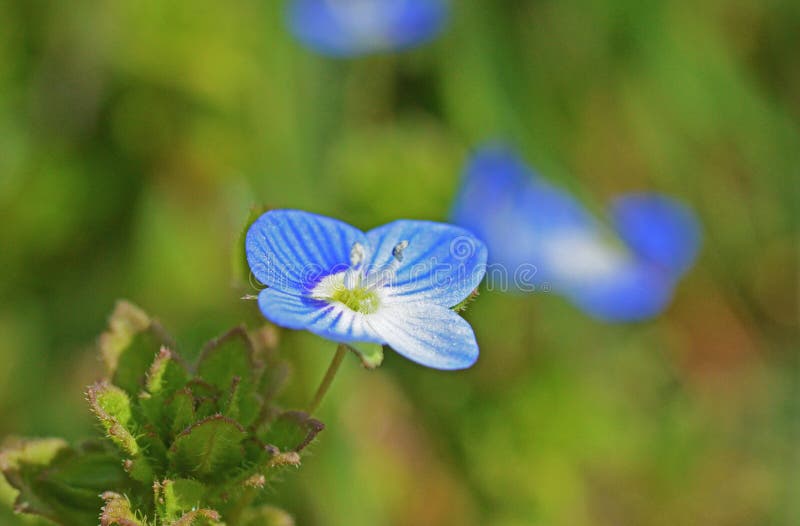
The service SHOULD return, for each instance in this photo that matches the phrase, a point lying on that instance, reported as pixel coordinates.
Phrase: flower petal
(604, 279)
(349, 28)
(442, 264)
(633, 293)
(513, 210)
(291, 250)
(329, 320)
(430, 335)
(526, 221)
(659, 229)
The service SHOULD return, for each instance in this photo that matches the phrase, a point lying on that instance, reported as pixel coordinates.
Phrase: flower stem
(330, 374)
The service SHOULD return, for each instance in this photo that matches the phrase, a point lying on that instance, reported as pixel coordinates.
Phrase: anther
(397, 251)
(357, 255)
(387, 274)
(352, 277)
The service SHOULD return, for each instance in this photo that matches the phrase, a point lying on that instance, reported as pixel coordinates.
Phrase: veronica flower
(541, 237)
(347, 28)
(394, 285)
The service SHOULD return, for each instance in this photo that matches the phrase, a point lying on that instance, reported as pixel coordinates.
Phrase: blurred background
(136, 135)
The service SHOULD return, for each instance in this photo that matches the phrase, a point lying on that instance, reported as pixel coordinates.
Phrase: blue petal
(442, 264)
(634, 293)
(658, 229)
(329, 320)
(525, 221)
(430, 335)
(349, 28)
(290, 249)
(513, 210)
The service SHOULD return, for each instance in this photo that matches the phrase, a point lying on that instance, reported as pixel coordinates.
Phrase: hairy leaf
(129, 346)
(117, 511)
(208, 447)
(58, 482)
(291, 431)
(201, 517)
(112, 407)
(180, 411)
(166, 376)
(228, 356)
(176, 497)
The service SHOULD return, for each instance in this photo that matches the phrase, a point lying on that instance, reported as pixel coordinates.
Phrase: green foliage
(291, 431)
(176, 497)
(117, 511)
(113, 408)
(58, 482)
(207, 447)
(186, 445)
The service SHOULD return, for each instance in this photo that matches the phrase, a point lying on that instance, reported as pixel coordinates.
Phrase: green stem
(330, 374)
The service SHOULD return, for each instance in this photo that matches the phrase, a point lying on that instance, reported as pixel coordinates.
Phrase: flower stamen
(357, 288)
(387, 274)
(353, 275)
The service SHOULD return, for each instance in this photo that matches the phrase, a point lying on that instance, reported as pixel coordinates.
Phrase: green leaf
(370, 354)
(222, 361)
(165, 377)
(180, 411)
(175, 497)
(58, 482)
(275, 373)
(166, 374)
(117, 511)
(243, 406)
(206, 407)
(231, 405)
(202, 517)
(266, 516)
(21, 462)
(129, 345)
(203, 389)
(37, 452)
(228, 356)
(291, 431)
(139, 468)
(208, 447)
(90, 468)
(154, 444)
(112, 407)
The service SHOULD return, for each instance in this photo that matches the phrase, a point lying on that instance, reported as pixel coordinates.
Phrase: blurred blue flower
(540, 237)
(346, 28)
(394, 285)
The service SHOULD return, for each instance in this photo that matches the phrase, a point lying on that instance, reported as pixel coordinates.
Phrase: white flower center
(581, 256)
(357, 288)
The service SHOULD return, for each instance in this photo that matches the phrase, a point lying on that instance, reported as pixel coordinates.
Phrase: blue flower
(541, 237)
(394, 285)
(346, 28)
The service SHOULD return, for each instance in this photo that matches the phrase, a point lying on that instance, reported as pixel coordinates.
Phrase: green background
(136, 135)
